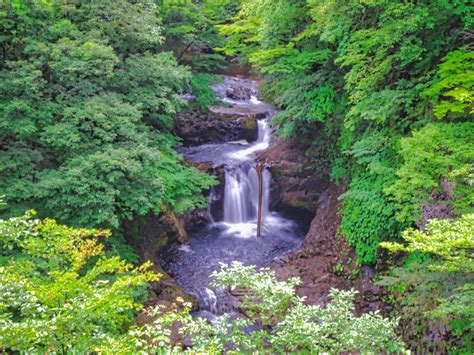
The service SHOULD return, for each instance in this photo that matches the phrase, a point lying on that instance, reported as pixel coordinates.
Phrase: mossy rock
(161, 241)
(251, 123)
(295, 203)
(277, 171)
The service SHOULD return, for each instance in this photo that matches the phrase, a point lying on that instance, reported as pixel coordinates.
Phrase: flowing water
(234, 237)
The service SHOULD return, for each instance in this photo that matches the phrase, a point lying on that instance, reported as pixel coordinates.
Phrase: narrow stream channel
(233, 238)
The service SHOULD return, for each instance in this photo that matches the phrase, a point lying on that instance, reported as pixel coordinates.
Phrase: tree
(432, 154)
(87, 101)
(295, 327)
(444, 277)
(60, 291)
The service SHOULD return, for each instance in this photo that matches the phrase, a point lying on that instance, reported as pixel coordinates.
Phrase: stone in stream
(239, 93)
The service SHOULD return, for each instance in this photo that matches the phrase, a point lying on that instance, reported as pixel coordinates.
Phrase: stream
(233, 237)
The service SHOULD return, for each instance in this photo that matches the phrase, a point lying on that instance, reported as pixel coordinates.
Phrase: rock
(148, 235)
(176, 226)
(295, 188)
(239, 93)
(241, 142)
(215, 126)
(312, 263)
(188, 97)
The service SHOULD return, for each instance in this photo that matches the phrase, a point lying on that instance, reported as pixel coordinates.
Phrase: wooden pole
(259, 169)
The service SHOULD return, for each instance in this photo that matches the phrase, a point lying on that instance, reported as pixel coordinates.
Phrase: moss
(277, 172)
(161, 240)
(251, 123)
(300, 204)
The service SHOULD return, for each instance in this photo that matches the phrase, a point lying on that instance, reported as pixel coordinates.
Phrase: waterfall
(241, 181)
(241, 194)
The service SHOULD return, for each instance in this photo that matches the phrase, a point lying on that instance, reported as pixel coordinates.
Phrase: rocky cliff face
(148, 235)
(315, 261)
(295, 187)
(215, 126)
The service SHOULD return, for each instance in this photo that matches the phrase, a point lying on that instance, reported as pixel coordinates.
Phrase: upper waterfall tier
(240, 98)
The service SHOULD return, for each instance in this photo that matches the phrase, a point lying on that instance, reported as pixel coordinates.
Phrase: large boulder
(215, 126)
(239, 93)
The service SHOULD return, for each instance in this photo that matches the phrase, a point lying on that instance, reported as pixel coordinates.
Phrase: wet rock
(148, 235)
(295, 188)
(199, 127)
(174, 225)
(366, 286)
(195, 220)
(239, 93)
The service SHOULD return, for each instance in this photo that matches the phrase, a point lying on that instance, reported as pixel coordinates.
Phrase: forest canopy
(88, 95)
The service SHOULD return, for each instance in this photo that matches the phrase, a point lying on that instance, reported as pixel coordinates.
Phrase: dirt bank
(324, 260)
(319, 253)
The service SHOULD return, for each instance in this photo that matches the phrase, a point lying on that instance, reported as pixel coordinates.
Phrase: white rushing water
(262, 143)
(241, 194)
(241, 184)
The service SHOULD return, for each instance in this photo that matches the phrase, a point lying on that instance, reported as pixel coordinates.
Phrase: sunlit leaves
(451, 240)
(58, 289)
(452, 91)
(297, 327)
(430, 155)
(446, 278)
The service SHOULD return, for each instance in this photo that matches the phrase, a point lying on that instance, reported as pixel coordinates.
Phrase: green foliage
(189, 28)
(201, 89)
(450, 239)
(296, 327)
(430, 155)
(358, 83)
(419, 293)
(452, 91)
(354, 75)
(442, 287)
(86, 111)
(63, 293)
(59, 290)
(368, 217)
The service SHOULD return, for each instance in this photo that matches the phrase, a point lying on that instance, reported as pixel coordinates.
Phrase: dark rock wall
(198, 127)
(295, 187)
(148, 235)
